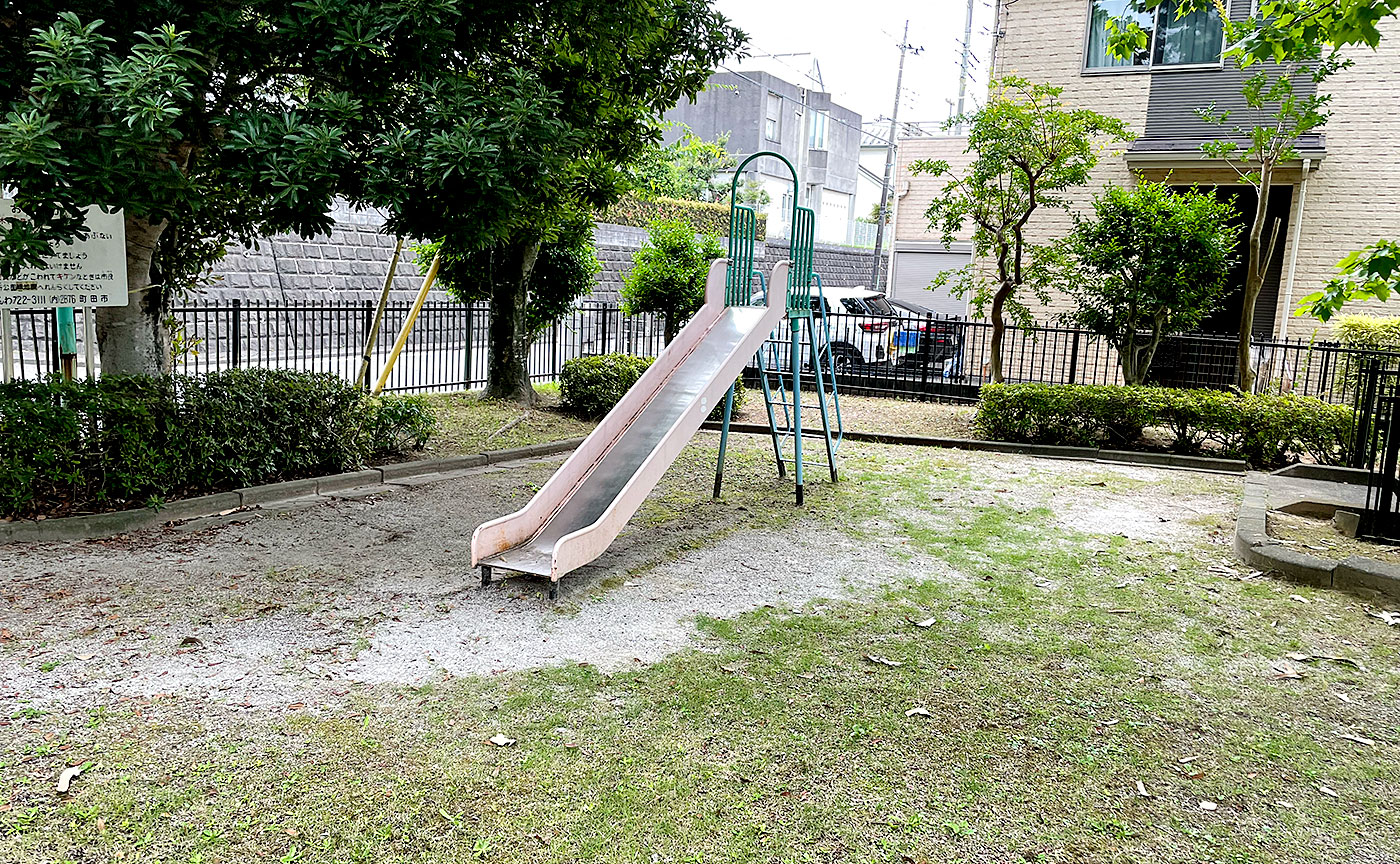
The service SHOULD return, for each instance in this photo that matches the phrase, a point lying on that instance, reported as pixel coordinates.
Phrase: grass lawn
(1036, 691)
(467, 423)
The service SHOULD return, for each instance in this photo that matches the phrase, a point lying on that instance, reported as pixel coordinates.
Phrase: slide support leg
(796, 362)
(724, 437)
(485, 575)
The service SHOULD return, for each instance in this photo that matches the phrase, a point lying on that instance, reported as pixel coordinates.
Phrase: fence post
(1073, 356)
(927, 353)
(236, 332)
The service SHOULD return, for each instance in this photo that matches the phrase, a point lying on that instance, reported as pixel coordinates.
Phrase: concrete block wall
(349, 263)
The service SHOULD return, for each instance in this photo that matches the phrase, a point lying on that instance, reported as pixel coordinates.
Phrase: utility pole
(904, 47)
(966, 56)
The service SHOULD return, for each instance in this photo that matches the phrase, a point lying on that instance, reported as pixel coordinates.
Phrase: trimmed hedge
(122, 440)
(704, 218)
(1266, 430)
(591, 386)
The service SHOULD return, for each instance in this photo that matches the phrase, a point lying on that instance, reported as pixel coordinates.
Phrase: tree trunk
(1254, 276)
(133, 339)
(670, 327)
(998, 329)
(506, 374)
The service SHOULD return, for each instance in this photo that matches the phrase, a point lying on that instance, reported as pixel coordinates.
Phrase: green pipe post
(67, 342)
(724, 438)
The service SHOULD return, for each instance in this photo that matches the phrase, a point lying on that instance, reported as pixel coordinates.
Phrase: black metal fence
(446, 350)
(925, 357)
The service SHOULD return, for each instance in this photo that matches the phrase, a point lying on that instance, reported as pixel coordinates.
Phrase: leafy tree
(1293, 41)
(493, 124)
(1372, 273)
(688, 169)
(1150, 262)
(668, 273)
(1028, 149)
(751, 194)
(1279, 31)
(502, 154)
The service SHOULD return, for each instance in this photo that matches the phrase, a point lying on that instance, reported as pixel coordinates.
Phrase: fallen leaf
(808, 675)
(296, 706)
(926, 623)
(500, 740)
(1344, 697)
(1186, 760)
(86, 656)
(883, 661)
(1209, 805)
(101, 824)
(1299, 598)
(1282, 670)
(1142, 790)
(191, 642)
(918, 712)
(291, 832)
(6, 635)
(1284, 804)
(66, 778)
(1326, 791)
(1309, 658)
(1391, 618)
(1347, 736)
(732, 670)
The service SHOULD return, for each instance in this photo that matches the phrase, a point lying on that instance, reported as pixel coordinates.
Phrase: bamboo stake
(408, 323)
(362, 379)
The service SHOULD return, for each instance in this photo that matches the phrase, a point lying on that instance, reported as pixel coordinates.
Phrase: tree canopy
(484, 122)
(1151, 261)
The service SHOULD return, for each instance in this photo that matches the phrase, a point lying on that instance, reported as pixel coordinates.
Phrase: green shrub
(591, 386)
(1266, 430)
(703, 218)
(119, 440)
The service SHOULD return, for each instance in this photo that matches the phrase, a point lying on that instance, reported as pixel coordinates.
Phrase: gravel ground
(304, 606)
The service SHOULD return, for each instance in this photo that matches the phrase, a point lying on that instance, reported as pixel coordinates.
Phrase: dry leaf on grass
(1310, 658)
(1347, 736)
(1209, 805)
(883, 661)
(500, 740)
(1283, 670)
(918, 712)
(925, 624)
(1391, 618)
(1326, 791)
(1142, 790)
(1299, 598)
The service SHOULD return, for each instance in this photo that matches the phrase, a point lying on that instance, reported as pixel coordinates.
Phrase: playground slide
(584, 506)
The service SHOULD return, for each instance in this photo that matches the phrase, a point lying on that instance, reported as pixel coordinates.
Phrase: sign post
(87, 272)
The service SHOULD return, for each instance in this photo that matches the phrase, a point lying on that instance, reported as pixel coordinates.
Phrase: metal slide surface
(634, 460)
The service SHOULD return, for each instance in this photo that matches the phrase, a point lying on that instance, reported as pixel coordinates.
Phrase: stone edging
(1092, 454)
(1254, 546)
(71, 528)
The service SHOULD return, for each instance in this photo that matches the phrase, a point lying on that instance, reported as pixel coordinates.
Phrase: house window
(1193, 39)
(772, 126)
(816, 138)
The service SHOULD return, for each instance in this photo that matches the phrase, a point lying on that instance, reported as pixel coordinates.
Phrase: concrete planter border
(71, 528)
(1255, 547)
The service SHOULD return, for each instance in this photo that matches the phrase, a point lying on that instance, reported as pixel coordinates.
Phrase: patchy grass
(469, 423)
(1318, 537)
(1060, 670)
(892, 416)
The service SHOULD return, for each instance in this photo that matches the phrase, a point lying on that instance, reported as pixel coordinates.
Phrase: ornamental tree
(1028, 149)
(1292, 41)
(687, 169)
(668, 273)
(1149, 262)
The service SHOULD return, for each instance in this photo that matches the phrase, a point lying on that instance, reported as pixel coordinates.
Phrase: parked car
(862, 325)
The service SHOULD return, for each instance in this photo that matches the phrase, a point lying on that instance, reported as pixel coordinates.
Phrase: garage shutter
(915, 270)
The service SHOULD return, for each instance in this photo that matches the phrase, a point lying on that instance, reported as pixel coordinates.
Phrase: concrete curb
(1088, 454)
(72, 528)
(1254, 546)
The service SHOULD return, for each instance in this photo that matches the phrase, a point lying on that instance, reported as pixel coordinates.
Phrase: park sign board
(87, 272)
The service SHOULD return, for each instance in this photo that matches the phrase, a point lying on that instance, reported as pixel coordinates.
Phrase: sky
(856, 45)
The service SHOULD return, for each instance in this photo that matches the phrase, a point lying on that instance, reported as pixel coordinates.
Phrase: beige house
(1342, 194)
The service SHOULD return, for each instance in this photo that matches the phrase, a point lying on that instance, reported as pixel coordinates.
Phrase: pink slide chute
(577, 514)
